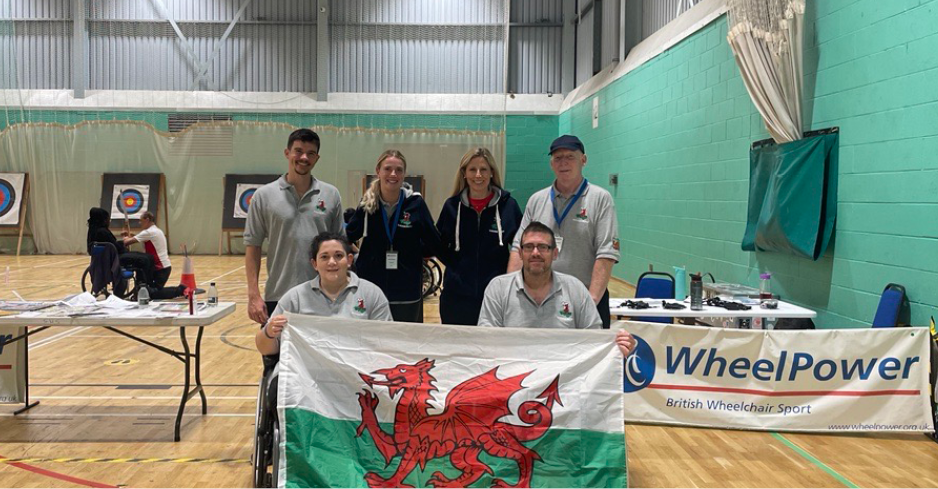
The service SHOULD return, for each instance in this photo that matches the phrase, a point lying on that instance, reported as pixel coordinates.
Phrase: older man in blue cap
(583, 218)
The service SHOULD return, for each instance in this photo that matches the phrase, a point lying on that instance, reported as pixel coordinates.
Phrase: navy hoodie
(415, 237)
(481, 255)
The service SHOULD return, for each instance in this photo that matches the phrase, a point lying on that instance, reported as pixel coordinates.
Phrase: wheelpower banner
(820, 380)
(381, 404)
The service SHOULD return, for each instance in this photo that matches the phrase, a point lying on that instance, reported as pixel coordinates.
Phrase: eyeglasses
(565, 157)
(529, 247)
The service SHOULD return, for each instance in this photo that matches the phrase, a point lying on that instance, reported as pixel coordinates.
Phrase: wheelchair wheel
(266, 441)
(432, 277)
(130, 292)
(86, 280)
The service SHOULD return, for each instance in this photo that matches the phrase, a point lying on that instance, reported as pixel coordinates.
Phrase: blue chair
(890, 305)
(655, 285)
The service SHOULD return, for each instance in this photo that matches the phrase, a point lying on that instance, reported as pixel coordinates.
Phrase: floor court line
(149, 398)
(56, 337)
(810, 458)
(57, 475)
(30, 416)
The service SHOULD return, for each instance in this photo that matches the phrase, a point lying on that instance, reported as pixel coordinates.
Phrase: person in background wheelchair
(99, 221)
(335, 292)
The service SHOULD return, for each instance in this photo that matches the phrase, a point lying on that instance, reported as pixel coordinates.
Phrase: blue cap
(567, 142)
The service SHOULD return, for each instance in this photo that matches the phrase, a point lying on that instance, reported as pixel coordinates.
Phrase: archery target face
(244, 192)
(130, 199)
(11, 190)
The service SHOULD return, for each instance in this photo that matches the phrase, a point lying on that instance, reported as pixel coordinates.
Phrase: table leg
(198, 370)
(185, 391)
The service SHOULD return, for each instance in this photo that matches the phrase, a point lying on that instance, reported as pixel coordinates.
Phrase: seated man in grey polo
(538, 297)
(334, 292)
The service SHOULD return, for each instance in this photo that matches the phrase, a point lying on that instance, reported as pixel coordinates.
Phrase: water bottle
(765, 286)
(212, 295)
(696, 292)
(680, 283)
(143, 296)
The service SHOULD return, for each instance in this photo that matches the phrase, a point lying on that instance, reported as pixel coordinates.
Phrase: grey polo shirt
(361, 299)
(290, 223)
(568, 304)
(590, 231)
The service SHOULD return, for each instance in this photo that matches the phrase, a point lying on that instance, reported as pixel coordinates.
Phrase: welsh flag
(379, 404)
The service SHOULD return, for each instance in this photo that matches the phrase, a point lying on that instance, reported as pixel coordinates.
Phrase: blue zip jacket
(481, 255)
(415, 238)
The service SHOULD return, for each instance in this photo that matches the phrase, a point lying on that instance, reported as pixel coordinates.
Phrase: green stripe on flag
(323, 452)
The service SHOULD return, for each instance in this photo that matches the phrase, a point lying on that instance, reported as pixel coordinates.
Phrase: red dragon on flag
(468, 425)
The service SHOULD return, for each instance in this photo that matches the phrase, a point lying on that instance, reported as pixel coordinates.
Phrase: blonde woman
(395, 227)
(477, 226)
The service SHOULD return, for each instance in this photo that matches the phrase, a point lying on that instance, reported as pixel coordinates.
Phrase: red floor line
(56, 475)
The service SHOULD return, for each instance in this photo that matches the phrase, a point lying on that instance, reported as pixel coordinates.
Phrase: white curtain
(766, 39)
(65, 164)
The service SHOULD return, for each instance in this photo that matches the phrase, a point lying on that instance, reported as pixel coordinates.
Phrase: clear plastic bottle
(212, 295)
(765, 286)
(696, 292)
(143, 296)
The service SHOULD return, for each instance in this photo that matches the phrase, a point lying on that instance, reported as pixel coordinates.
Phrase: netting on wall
(143, 77)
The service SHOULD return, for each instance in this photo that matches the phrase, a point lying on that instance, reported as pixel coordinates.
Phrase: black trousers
(603, 308)
(460, 309)
(408, 312)
(160, 277)
(270, 308)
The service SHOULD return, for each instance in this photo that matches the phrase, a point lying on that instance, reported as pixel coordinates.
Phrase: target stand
(238, 191)
(126, 196)
(14, 198)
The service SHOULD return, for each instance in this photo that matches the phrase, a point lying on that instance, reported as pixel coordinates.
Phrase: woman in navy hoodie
(477, 225)
(396, 229)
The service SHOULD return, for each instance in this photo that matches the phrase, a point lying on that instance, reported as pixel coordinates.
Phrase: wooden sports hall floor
(91, 408)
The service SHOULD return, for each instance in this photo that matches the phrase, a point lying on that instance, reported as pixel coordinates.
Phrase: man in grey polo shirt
(290, 212)
(334, 292)
(538, 297)
(583, 218)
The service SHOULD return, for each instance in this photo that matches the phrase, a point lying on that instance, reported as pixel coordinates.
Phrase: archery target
(11, 190)
(130, 199)
(244, 192)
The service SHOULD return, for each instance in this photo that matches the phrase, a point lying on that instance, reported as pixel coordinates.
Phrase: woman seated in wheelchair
(99, 221)
(335, 292)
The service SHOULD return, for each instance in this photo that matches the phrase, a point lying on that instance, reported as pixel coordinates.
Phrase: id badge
(559, 241)
(390, 260)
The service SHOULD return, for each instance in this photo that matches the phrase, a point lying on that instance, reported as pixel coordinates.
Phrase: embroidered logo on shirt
(321, 206)
(361, 305)
(615, 244)
(494, 228)
(565, 310)
(405, 221)
(582, 215)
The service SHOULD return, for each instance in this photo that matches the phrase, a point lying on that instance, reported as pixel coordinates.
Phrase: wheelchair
(432, 277)
(126, 286)
(266, 457)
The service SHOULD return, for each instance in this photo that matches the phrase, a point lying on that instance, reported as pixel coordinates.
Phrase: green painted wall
(677, 131)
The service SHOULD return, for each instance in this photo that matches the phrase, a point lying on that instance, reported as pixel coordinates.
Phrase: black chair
(655, 285)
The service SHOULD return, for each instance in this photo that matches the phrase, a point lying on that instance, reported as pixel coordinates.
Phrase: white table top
(785, 310)
(203, 317)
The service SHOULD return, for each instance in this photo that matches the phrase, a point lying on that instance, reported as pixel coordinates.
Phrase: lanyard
(391, 229)
(560, 217)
